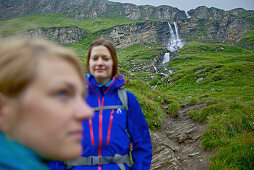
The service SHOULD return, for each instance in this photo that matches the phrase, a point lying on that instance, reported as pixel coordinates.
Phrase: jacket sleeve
(139, 135)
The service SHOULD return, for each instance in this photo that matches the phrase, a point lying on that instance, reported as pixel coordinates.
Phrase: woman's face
(47, 117)
(101, 64)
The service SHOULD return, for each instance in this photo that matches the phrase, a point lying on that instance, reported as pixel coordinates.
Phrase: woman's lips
(77, 134)
(99, 70)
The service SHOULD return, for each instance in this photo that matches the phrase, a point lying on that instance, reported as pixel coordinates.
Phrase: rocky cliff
(63, 35)
(84, 9)
(209, 25)
(228, 29)
(139, 33)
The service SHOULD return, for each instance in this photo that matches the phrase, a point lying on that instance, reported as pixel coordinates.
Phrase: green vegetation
(248, 16)
(226, 75)
(238, 154)
(140, 52)
(247, 40)
(151, 101)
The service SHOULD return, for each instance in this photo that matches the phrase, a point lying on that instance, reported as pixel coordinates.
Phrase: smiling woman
(118, 122)
(41, 103)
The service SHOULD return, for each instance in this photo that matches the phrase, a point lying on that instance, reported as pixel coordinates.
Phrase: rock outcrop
(62, 35)
(88, 9)
(139, 33)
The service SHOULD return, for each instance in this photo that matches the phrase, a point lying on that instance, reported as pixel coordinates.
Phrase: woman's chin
(69, 154)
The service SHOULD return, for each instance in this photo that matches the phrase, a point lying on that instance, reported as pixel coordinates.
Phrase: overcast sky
(192, 4)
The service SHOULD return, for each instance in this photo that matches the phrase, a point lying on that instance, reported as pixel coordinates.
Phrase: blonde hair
(19, 60)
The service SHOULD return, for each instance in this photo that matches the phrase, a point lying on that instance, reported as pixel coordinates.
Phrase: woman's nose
(83, 110)
(100, 61)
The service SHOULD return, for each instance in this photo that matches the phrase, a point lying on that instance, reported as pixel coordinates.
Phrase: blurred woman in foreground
(41, 103)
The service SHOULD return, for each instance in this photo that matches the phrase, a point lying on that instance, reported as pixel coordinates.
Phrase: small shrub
(173, 109)
(193, 101)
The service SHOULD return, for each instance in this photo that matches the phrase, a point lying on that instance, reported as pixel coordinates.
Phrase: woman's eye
(62, 94)
(106, 59)
(94, 58)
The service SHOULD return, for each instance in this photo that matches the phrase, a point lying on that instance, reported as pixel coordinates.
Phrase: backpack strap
(123, 97)
(118, 159)
(122, 94)
(108, 107)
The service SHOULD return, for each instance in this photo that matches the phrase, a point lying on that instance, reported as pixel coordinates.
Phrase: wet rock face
(62, 35)
(139, 33)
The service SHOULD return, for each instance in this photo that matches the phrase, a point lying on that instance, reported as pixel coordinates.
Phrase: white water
(166, 58)
(187, 15)
(174, 42)
(155, 69)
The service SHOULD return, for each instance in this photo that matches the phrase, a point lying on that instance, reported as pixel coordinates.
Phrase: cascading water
(166, 58)
(174, 43)
(155, 69)
(187, 15)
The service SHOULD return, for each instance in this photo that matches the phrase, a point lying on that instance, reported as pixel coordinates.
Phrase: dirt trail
(177, 144)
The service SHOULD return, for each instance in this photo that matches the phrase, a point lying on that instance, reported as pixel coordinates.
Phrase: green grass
(238, 154)
(225, 69)
(228, 90)
(151, 101)
(140, 52)
(247, 40)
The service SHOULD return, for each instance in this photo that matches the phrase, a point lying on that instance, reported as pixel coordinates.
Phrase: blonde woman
(41, 103)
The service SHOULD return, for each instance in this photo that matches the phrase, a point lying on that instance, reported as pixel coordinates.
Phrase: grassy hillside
(219, 74)
(226, 75)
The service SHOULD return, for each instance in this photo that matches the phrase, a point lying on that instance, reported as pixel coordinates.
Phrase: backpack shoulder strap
(122, 93)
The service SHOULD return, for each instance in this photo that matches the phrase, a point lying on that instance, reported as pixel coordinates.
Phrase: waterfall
(187, 15)
(155, 69)
(166, 58)
(174, 42)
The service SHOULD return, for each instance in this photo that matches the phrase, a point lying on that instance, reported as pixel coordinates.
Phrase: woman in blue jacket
(110, 133)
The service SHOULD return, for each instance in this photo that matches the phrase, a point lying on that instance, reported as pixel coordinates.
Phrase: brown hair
(111, 48)
(19, 59)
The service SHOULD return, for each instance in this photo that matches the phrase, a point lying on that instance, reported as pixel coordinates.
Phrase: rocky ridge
(62, 35)
(87, 9)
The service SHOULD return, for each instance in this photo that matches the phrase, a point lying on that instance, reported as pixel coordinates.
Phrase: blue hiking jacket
(105, 134)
